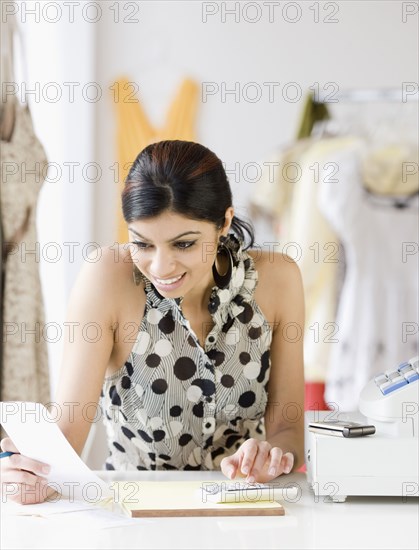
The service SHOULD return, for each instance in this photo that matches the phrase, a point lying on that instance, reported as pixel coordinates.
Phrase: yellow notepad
(182, 498)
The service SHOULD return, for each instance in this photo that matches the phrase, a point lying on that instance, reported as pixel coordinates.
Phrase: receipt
(36, 435)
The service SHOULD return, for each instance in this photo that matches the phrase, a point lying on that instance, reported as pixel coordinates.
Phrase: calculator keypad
(392, 380)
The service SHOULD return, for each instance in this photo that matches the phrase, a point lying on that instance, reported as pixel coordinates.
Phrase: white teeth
(169, 281)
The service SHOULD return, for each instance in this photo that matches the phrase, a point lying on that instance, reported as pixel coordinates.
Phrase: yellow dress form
(134, 130)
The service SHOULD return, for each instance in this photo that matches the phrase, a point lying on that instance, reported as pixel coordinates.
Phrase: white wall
(64, 122)
(370, 46)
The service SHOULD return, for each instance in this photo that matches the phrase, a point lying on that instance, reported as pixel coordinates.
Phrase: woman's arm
(284, 417)
(91, 310)
(88, 344)
(283, 450)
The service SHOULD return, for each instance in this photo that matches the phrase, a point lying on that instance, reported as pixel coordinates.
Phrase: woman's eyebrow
(170, 240)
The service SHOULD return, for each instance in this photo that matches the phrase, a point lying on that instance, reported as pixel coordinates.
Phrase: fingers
(280, 463)
(21, 485)
(287, 462)
(249, 450)
(258, 461)
(254, 460)
(22, 477)
(247, 461)
(25, 494)
(274, 465)
(229, 465)
(7, 444)
(21, 462)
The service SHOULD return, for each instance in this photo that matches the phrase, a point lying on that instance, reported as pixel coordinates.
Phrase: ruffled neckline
(230, 300)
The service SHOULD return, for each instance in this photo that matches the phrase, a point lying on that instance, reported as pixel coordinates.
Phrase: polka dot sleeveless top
(176, 405)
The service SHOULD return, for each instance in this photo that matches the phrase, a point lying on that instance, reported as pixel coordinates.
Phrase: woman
(208, 333)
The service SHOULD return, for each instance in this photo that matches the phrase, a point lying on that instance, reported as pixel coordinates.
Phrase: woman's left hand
(258, 461)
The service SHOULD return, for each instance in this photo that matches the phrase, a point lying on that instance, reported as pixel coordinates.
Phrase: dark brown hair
(183, 177)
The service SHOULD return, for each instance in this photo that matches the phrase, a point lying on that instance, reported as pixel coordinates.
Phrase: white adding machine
(383, 464)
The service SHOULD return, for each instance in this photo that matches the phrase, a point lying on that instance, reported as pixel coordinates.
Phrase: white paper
(44, 509)
(98, 519)
(78, 512)
(37, 436)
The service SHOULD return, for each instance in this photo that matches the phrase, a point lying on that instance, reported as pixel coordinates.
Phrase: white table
(363, 523)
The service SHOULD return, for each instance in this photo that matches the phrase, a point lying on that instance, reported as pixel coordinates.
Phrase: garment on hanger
(379, 298)
(135, 131)
(292, 197)
(387, 170)
(25, 370)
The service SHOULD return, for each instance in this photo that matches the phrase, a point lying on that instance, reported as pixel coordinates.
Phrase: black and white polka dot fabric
(177, 405)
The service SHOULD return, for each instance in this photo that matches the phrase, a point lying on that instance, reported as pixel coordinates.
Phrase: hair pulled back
(182, 177)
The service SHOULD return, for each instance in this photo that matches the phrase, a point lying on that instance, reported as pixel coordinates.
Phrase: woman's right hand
(22, 478)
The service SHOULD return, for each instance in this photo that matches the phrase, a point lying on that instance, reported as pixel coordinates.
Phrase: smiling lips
(169, 281)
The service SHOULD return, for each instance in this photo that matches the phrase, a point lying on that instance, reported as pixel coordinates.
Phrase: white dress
(377, 316)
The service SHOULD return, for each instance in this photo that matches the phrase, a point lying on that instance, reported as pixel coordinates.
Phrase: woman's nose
(162, 264)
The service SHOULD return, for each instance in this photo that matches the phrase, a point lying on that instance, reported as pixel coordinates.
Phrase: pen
(6, 454)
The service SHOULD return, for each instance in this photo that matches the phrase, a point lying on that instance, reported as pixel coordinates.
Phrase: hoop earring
(222, 281)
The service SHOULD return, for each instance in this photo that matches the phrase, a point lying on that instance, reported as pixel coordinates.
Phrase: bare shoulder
(274, 267)
(279, 283)
(113, 260)
(108, 265)
(108, 272)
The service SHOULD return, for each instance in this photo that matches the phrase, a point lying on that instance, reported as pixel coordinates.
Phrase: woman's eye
(183, 245)
(140, 244)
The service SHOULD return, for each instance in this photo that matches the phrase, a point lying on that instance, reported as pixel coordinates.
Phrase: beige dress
(25, 372)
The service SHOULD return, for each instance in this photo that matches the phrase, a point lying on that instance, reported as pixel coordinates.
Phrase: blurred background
(311, 106)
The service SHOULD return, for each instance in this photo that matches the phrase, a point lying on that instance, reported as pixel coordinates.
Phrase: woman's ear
(228, 218)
